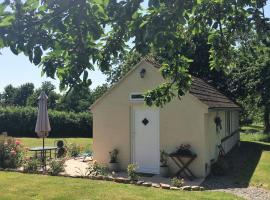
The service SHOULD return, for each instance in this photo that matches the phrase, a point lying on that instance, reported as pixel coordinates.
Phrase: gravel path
(249, 193)
(224, 184)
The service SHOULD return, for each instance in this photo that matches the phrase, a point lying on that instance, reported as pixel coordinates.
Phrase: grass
(259, 137)
(254, 133)
(34, 142)
(252, 160)
(247, 164)
(261, 176)
(25, 186)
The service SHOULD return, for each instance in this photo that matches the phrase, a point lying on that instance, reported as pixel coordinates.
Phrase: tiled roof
(210, 95)
(206, 93)
(152, 61)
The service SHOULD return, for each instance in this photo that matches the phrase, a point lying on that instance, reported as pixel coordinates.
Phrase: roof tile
(206, 93)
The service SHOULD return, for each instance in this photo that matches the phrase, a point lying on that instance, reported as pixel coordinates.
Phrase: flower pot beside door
(164, 168)
(114, 165)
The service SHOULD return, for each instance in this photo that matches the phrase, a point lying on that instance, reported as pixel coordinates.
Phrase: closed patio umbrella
(43, 126)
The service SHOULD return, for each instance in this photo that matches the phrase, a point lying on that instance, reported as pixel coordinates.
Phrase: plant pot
(164, 171)
(114, 167)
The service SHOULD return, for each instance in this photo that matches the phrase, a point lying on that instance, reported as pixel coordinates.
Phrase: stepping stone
(164, 186)
(109, 178)
(147, 184)
(121, 180)
(99, 177)
(155, 185)
(139, 182)
(202, 188)
(186, 188)
(195, 188)
(175, 188)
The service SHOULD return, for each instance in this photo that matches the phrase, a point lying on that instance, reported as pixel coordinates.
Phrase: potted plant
(114, 165)
(164, 169)
(184, 150)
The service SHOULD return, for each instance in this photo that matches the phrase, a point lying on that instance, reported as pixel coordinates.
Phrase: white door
(146, 140)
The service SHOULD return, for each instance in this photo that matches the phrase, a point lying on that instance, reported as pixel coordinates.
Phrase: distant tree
(48, 88)
(250, 80)
(23, 92)
(8, 96)
(123, 66)
(98, 92)
(78, 99)
(17, 96)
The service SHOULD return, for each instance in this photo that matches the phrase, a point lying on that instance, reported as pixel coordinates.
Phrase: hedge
(21, 121)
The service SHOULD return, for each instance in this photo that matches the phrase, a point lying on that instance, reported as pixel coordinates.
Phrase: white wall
(181, 121)
(215, 138)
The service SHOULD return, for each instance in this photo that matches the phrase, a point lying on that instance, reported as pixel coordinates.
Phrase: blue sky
(17, 70)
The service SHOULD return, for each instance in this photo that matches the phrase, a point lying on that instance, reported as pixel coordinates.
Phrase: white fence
(229, 142)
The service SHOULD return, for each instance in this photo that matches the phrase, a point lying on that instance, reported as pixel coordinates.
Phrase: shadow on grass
(252, 129)
(257, 127)
(267, 139)
(243, 161)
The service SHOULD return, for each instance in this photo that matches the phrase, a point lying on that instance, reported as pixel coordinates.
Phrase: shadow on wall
(243, 161)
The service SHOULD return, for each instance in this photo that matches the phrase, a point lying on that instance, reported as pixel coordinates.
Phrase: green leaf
(31, 5)
(85, 76)
(7, 20)
(37, 55)
(14, 50)
(143, 24)
(135, 16)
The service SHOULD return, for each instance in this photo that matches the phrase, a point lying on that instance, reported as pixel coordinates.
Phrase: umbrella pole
(43, 156)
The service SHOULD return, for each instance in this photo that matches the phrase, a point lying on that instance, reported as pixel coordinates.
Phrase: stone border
(117, 180)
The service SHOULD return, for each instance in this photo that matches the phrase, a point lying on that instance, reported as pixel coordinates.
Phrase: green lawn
(255, 151)
(33, 142)
(261, 176)
(25, 186)
(260, 137)
(254, 133)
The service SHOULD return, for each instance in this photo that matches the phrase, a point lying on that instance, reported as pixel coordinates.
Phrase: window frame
(228, 122)
(136, 99)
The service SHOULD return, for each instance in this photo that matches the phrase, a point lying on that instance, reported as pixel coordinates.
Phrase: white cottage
(204, 118)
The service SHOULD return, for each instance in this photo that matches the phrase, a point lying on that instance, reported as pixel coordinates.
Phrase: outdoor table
(46, 149)
(183, 165)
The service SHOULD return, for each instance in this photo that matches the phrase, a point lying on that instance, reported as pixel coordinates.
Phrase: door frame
(133, 132)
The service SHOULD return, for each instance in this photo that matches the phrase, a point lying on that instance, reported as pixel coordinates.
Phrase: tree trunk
(266, 119)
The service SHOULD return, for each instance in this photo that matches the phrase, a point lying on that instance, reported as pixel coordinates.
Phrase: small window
(136, 97)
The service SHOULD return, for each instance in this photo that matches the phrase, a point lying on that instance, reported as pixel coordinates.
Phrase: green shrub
(64, 124)
(74, 150)
(96, 169)
(56, 166)
(11, 152)
(176, 182)
(132, 174)
(113, 156)
(31, 165)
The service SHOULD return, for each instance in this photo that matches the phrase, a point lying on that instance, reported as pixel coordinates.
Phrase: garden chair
(61, 149)
(221, 152)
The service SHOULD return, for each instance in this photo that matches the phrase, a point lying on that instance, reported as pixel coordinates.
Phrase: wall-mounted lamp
(142, 73)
